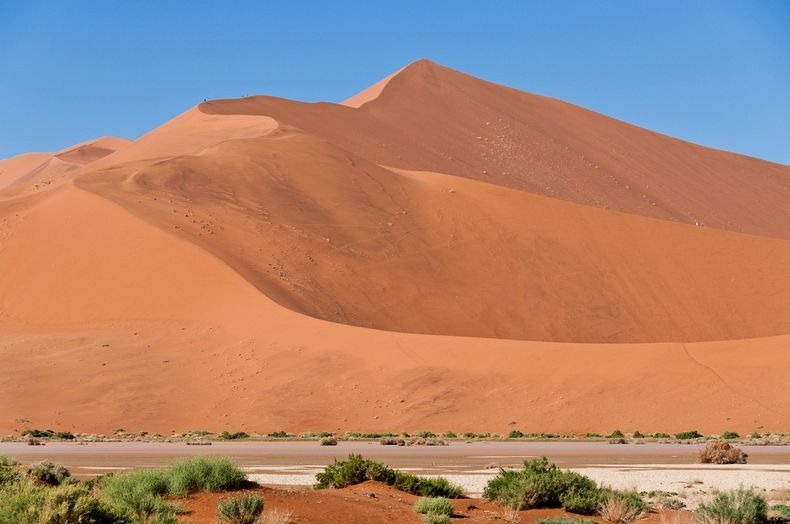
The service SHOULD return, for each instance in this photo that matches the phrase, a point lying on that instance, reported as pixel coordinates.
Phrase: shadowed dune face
(337, 237)
(153, 273)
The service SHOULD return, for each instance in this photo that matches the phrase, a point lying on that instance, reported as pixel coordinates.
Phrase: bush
(139, 494)
(49, 473)
(9, 476)
(741, 506)
(515, 434)
(688, 435)
(38, 433)
(616, 434)
(425, 434)
(6, 462)
(730, 435)
(328, 441)
(25, 501)
(540, 485)
(203, 474)
(449, 434)
(64, 435)
(638, 434)
(8, 473)
(433, 486)
(278, 434)
(240, 510)
(356, 470)
(232, 436)
(21, 501)
(583, 502)
(661, 435)
(437, 505)
(720, 452)
(76, 503)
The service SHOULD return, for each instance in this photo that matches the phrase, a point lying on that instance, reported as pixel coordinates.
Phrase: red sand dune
(186, 279)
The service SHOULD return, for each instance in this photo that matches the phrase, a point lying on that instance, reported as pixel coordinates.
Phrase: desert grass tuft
(244, 509)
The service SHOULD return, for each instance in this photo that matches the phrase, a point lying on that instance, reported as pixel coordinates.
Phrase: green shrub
(585, 502)
(139, 494)
(538, 485)
(436, 518)
(754, 435)
(356, 470)
(203, 474)
(782, 509)
(515, 434)
(38, 433)
(638, 434)
(8, 473)
(76, 503)
(438, 505)
(729, 435)
(741, 506)
(49, 473)
(232, 436)
(434, 486)
(661, 435)
(65, 435)
(240, 510)
(6, 462)
(449, 434)
(21, 501)
(688, 435)
(593, 435)
(616, 434)
(9, 476)
(425, 434)
(278, 434)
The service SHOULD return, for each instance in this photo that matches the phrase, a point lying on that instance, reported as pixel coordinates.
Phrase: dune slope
(334, 236)
(428, 117)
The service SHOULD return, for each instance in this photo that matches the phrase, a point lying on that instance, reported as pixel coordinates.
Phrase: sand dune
(222, 272)
(37, 171)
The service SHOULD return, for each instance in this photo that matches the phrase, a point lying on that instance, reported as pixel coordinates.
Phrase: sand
(449, 255)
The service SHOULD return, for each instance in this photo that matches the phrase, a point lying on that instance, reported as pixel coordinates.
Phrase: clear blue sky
(716, 73)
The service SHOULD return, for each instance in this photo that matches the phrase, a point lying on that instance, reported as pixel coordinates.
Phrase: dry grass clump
(720, 452)
(328, 441)
(510, 515)
(276, 516)
(618, 510)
